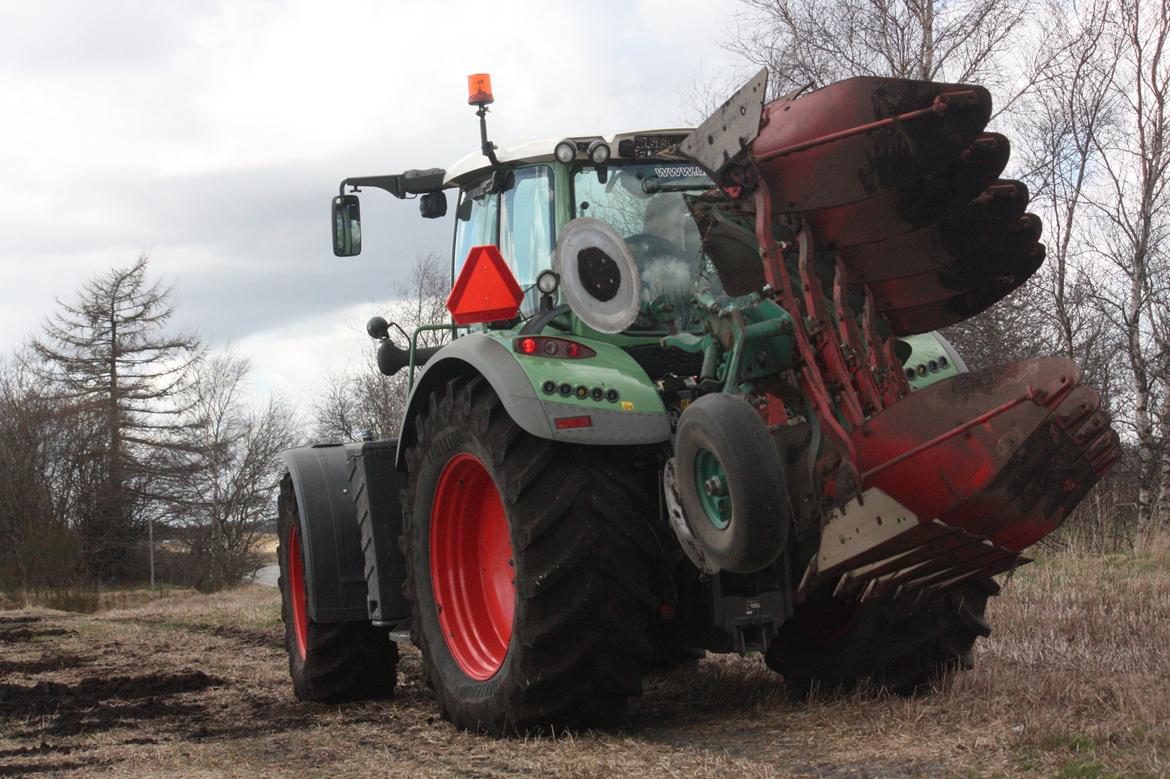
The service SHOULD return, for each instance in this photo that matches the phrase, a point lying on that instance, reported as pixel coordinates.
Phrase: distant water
(269, 575)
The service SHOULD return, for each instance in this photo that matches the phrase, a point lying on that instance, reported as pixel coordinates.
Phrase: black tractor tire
(898, 645)
(729, 429)
(580, 550)
(342, 661)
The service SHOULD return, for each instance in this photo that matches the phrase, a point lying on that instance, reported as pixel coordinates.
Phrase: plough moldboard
(870, 209)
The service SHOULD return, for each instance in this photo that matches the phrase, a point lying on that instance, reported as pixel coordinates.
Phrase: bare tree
(231, 470)
(43, 471)
(816, 42)
(1064, 116)
(336, 413)
(1131, 221)
(364, 399)
(1010, 331)
(109, 352)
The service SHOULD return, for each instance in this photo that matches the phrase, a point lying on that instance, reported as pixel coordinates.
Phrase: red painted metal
(1004, 454)
(295, 567)
(823, 333)
(486, 290)
(937, 108)
(886, 366)
(472, 571)
(889, 213)
(812, 381)
(853, 346)
(848, 141)
(891, 189)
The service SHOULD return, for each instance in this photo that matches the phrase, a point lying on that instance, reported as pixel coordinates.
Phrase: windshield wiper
(653, 184)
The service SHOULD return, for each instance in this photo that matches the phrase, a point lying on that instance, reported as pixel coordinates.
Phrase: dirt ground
(1075, 682)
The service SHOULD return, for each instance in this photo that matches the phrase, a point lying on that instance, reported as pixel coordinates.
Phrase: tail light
(541, 346)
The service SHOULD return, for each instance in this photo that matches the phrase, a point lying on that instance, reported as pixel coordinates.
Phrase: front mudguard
(335, 580)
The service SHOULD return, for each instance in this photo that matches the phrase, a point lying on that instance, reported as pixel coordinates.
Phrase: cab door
(518, 219)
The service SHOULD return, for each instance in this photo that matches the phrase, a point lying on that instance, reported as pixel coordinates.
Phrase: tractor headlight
(565, 151)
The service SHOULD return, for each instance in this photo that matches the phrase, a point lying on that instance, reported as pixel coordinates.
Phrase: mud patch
(44, 748)
(57, 661)
(101, 703)
(82, 766)
(271, 638)
(18, 635)
(21, 620)
(251, 636)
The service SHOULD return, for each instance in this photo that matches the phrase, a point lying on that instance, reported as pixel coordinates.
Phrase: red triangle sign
(486, 290)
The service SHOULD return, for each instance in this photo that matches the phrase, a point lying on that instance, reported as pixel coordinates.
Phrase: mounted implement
(694, 402)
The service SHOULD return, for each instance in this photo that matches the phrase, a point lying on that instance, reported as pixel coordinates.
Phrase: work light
(565, 151)
(598, 152)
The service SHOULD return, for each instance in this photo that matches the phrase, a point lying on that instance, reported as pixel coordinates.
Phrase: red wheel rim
(472, 573)
(296, 592)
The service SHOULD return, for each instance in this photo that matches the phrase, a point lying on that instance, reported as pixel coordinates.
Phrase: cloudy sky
(213, 135)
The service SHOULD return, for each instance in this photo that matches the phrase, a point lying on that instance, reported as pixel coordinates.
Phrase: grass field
(1074, 682)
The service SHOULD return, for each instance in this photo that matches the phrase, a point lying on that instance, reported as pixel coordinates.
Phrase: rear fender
(636, 416)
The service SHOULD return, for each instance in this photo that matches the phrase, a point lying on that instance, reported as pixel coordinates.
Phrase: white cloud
(214, 133)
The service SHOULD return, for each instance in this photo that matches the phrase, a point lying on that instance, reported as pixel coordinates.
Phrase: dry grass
(1075, 682)
(89, 598)
(266, 546)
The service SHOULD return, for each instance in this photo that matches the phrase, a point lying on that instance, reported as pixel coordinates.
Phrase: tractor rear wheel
(327, 661)
(899, 645)
(528, 569)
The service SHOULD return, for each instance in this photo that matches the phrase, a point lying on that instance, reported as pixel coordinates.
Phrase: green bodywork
(713, 492)
(743, 341)
(610, 369)
(930, 361)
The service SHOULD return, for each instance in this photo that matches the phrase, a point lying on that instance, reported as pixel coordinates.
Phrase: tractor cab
(548, 184)
(519, 198)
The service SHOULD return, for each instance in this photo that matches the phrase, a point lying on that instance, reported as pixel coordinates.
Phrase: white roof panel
(531, 151)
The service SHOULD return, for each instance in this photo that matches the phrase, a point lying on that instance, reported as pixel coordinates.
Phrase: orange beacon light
(479, 89)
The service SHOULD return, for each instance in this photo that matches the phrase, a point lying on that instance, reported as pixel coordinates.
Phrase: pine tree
(110, 352)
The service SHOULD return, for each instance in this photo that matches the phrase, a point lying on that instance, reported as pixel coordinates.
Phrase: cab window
(645, 204)
(519, 221)
(526, 223)
(476, 224)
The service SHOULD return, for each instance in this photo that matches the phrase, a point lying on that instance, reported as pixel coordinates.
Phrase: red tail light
(553, 347)
(570, 423)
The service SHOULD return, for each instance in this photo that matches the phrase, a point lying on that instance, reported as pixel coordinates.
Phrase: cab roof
(541, 150)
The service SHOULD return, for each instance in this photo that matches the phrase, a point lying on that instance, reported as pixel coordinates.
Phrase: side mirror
(433, 205)
(347, 226)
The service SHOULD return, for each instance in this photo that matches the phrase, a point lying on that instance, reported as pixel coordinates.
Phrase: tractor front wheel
(528, 569)
(327, 661)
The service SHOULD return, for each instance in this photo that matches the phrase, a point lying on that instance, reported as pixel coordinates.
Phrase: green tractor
(693, 401)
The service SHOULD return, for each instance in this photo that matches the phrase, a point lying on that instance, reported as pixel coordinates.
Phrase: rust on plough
(871, 209)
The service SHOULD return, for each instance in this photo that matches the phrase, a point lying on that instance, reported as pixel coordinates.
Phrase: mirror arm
(392, 184)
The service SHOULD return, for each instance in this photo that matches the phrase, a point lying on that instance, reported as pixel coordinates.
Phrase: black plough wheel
(898, 644)
(731, 483)
(327, 661)
(528, 569)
